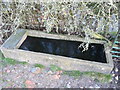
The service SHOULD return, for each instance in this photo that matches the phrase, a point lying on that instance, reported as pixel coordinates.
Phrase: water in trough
(65, 48)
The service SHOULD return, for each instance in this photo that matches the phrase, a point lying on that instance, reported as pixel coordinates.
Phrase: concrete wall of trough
(10, 50)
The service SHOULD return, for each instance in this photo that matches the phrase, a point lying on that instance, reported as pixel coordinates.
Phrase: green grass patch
(55, 68)
(23, 62)
(10, 61)
(6, 61)
(99, 76)
(74, 73)
(39, 65)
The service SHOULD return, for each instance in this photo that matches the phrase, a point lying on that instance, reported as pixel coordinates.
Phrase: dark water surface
(64, 48)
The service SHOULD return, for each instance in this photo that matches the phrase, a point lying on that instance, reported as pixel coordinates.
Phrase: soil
(29, 76)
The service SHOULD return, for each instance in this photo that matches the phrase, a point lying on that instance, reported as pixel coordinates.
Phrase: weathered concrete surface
(14, 39)
(10, 50)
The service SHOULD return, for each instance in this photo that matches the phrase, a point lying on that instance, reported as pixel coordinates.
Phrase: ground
(23, 75)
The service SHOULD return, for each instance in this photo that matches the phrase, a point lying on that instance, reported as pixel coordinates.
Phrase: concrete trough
(11, 49)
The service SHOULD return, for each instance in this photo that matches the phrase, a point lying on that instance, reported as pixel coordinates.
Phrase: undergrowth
(85, 19)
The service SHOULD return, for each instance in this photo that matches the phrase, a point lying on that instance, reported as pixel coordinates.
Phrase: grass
(39, 65)
(12, 61)
(55, 68)
(9, 61)
(74, 73)
(99, 77)
(6, 61)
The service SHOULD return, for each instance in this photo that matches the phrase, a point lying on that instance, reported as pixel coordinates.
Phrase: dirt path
(29, 76)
